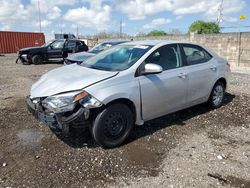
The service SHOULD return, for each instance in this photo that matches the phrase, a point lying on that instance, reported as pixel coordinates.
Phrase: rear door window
(78, 43)
(195, 54)
(71, 44)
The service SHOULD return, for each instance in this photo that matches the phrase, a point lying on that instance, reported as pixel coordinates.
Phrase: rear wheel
(113, 125)
(37, 59)
(217, 95)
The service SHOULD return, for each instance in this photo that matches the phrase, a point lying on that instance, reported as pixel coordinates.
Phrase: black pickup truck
(51, 50)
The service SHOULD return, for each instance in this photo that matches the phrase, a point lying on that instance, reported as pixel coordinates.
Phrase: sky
(138, 16)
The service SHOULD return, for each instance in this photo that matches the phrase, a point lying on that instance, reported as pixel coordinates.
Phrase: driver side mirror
(151, 68)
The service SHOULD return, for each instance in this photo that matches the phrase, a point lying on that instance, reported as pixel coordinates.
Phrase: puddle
(30, 137)
(140, 155)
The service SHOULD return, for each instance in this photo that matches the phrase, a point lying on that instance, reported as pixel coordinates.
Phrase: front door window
(168, 57)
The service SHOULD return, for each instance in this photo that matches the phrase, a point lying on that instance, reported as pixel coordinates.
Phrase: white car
(82, 56)
(129, 84)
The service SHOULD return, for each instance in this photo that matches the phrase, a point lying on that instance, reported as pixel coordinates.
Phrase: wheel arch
(37, 53)
(222, 80)
(126, 102)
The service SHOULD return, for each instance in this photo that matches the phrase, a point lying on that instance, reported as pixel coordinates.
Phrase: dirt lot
(196, 147)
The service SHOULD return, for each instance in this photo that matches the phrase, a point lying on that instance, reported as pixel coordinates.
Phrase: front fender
(126, 90)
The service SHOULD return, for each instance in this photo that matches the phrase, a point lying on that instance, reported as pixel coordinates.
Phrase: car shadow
(60, 61)
(177, 118)
(79, 138)
(53, 62)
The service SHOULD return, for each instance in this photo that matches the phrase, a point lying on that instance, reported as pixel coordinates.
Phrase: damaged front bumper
(77, 118)
(24, 58)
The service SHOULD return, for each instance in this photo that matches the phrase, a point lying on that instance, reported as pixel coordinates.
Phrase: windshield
(100, 47)
(117, 58)
(48, 43)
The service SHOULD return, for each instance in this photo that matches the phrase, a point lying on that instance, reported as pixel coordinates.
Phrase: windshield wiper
(100, 68)
(93, 51)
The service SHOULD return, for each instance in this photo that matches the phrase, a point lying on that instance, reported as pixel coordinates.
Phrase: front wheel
(217, 95)
(37, 59)
(113, 125)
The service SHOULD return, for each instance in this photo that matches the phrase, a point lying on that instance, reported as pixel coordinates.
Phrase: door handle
(182, 75)
(213, 68)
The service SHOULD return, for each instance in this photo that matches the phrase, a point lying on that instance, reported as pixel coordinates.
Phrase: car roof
(155, 42)
(115, 41)
(146, 42)
(164, 42)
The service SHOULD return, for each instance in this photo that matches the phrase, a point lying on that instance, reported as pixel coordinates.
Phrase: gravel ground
(196, 147)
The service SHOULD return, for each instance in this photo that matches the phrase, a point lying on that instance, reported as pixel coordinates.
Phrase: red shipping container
(11, 42)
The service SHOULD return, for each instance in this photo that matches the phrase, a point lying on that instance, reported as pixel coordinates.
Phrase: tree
(157, 33)
(202, 27)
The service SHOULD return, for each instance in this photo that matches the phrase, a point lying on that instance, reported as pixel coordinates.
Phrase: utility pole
(39, 13)
(61, 27)
(77, 31)
(220, 9)
(121, 28)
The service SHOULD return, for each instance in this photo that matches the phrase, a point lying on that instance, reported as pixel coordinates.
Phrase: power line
(246, 26)
(77, 31)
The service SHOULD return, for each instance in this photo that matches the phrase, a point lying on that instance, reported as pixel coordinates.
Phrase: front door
(167, 91)
(55, 49)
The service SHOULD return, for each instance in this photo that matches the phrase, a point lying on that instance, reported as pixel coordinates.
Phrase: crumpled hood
(67, 78)
(81, 56)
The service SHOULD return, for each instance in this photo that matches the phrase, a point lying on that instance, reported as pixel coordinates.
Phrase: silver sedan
(129, 84)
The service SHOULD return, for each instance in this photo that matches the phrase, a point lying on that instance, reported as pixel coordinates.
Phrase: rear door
(167, 91)
(81, 46)
(201, 70)
(70, 46)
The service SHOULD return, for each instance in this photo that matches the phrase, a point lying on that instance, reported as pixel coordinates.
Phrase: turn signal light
(81, 96)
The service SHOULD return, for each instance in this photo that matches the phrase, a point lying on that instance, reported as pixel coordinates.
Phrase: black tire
(219, 87)
(113, 125)
(37, 59)
(26, 62)
(65, 130)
